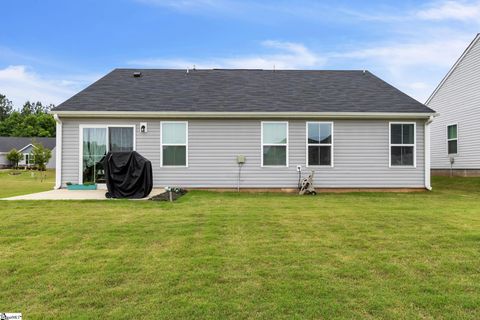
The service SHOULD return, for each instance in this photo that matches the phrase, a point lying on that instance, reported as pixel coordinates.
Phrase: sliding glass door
(94, 149)
(96, 142)
(120, 139)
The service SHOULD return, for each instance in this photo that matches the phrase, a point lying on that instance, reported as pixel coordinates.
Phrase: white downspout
(428, 185)
(58, 155)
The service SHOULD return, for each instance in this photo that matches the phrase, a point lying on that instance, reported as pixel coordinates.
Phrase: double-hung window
(452, 139)
(402, 144)
(319, 143)
(274, 143)
(174, 143)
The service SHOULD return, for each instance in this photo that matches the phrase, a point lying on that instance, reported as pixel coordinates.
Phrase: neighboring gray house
(25, 145)
(352, 128)
(456, 131)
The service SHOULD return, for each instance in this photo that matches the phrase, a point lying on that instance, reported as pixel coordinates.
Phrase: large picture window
(274, 143)
(174, 142)
(452, 139)
(402, 144)
(96, 142)
(319, 143)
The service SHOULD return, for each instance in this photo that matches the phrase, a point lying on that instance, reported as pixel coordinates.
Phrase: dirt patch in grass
(166, 195)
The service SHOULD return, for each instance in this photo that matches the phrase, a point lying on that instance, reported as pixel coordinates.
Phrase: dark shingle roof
(9, 143)
(221, 90)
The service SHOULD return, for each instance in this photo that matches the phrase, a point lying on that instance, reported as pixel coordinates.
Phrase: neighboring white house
(456, 131)
(195, 126)
(25, 146)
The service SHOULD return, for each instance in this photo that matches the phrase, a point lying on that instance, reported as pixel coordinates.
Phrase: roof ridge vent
(137, 74)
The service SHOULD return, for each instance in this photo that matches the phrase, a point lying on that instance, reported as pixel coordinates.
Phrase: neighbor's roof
(222, 90)
(9, 143)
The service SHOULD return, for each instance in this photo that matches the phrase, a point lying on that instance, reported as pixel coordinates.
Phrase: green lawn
(24, 183)
(213, 255)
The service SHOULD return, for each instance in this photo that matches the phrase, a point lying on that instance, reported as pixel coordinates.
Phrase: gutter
(58, 153)
(243, 115)
(426, 132)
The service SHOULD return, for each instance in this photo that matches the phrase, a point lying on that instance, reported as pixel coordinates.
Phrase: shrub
(41, 156)
(14, 156)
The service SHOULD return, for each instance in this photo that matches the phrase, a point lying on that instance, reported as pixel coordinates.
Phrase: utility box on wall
(240, 159)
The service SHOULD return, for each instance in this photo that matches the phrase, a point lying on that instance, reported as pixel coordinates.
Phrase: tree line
(32, 120)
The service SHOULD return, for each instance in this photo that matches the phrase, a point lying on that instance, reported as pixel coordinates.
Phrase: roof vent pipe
(137, 74)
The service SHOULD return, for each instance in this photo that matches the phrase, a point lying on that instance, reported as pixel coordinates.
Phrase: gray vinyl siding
(3, 160)
(458, 101)
(28, 149)
(25, 151)
(361, 154)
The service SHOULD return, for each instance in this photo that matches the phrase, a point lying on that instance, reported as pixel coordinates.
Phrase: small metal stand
(240, 162)
(452, 161)
(306, 185)
(170, 196)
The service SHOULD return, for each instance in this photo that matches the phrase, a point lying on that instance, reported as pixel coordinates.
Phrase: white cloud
(420, 44)
(451, 10)
(434, 11)
(265, 12)
(189, 5)
(415, 67)
(20, 84)
(425, 53)
(288, 55)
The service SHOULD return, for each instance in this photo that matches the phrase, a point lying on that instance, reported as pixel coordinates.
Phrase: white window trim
(105, 126)
(331, 165)
(390, 145)
(25, 155)
(276, 144)
(449, 125)
(24, 160)
(28, 145)
(174, 144)
(58, 152)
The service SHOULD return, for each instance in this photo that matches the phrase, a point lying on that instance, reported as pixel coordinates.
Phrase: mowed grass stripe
(227, 255)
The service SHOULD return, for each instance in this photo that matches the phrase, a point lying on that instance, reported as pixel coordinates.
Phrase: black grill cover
(128, 175)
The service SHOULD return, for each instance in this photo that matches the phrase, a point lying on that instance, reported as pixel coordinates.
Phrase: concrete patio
(64, 194)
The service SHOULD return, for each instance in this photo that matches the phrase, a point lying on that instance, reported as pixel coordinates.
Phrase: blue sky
(50, 50)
